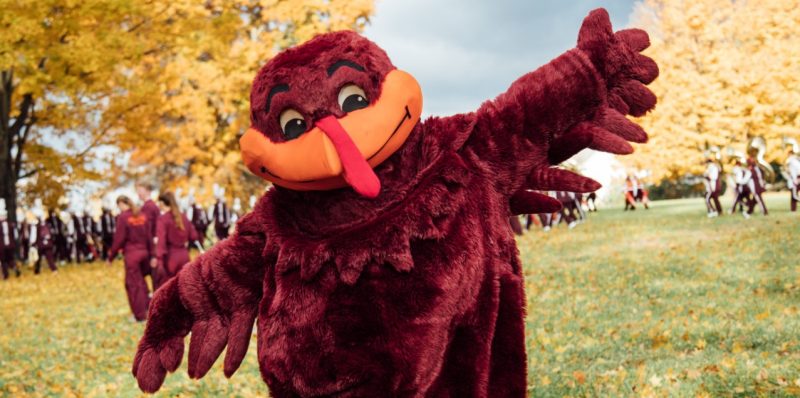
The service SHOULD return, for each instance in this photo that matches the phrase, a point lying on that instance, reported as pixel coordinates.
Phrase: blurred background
(97, 95)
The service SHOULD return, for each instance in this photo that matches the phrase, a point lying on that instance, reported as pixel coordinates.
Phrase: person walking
(792, 173)
(173, 234)
(221, 214)
(59, 231)
(134, 239)
(199, 219)
(711, 180)
(8, 242)
(742, 177)
(107, 227)
(42, 239)
(758, 186)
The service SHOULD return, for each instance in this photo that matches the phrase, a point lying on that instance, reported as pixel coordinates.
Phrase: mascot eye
(352, 98)
(292, 124)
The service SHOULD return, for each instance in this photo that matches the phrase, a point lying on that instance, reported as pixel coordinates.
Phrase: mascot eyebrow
(338, 64)
(281, 88)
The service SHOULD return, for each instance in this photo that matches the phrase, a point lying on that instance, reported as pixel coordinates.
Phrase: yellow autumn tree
(155, 87)
(730, 69)
(192, 131)
(69, 83)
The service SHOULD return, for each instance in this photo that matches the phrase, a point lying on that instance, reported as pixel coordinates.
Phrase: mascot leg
(509, 366)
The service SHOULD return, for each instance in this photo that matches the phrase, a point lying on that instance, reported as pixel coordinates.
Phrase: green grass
(665, 302)
(662, 302)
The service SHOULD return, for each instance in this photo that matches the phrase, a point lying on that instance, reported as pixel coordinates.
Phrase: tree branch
(29, 173)
(21, 119)
(102, 134)
(21, 140)
(6, 89)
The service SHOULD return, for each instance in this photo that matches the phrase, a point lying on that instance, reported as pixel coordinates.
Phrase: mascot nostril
(418, 291)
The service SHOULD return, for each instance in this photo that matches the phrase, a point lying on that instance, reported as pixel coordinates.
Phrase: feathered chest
(405, 276)
(426, 211)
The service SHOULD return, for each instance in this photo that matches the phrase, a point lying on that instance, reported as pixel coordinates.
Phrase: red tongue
(357, 171)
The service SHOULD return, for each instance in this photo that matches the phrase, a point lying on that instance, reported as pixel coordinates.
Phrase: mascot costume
(382, 263)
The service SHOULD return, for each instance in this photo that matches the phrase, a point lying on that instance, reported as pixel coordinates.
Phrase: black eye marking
(281, 88)
(338, 64)
(354, 102)
(352, 97)
(294, 128)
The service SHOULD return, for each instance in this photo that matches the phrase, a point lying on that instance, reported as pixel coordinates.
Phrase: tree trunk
(8, 174)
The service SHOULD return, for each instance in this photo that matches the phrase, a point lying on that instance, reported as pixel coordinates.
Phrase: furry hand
(170, 320)
(616, 58)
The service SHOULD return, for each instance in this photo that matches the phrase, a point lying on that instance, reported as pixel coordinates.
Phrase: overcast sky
(464, 52)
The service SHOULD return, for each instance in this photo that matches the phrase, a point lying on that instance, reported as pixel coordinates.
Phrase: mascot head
(325, 113)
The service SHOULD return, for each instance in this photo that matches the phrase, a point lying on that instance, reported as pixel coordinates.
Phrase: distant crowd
(153, 236)
(749, 176)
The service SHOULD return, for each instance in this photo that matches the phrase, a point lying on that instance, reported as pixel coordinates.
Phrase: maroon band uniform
(8, 246)
(43, 241)
(172, 248)
(134, 238)
(222, 219)
(200, 222)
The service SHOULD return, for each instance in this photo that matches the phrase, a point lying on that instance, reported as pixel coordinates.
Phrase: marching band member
(757, 186)
(23, 232)
(8, 242)
(578, 199)
(42, 239)
(567, 208)
(742, 177)
(92, 234)
(149, 208)
(107, 227)
(59, 232)
(173, 234)
(590, 201)
(134, 239)
(792, 172)
(631, 192)
(713, 187)
(221, 214)
(760, 170)
(80, 237)
(199, 220)
(642, 195)
(70, 235)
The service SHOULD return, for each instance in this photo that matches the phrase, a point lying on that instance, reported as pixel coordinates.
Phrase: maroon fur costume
(419, 291)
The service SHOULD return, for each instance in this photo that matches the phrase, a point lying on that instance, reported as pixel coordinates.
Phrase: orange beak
(340, 152)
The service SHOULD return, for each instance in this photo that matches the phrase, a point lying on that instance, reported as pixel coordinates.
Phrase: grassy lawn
(662, 302)
(665, 302)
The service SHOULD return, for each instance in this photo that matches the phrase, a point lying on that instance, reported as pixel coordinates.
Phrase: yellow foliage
(193, 126)
(70, 82)
(729, 70)
(162, 80)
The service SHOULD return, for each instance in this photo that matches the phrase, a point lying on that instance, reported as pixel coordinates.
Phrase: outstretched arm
(215, 297)
(579, 100)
